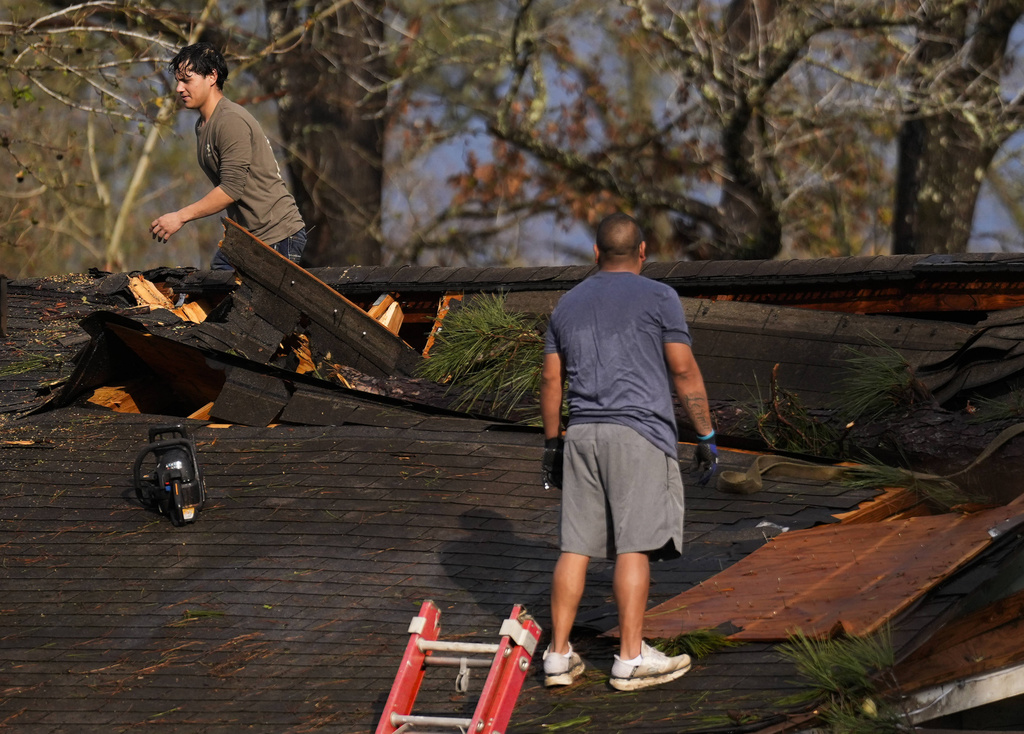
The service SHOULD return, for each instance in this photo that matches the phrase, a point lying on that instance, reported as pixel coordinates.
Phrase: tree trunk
(331, 122)
(944, 153)
(935, 212)
(746, 202)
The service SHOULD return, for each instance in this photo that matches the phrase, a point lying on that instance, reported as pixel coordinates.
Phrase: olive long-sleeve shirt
(235, 154)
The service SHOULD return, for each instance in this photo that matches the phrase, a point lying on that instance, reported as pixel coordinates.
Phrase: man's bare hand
(163, 227)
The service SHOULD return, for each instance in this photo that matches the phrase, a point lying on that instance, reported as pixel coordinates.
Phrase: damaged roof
(338, 503)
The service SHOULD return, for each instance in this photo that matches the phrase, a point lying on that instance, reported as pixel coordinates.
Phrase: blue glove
(705, 458)
(551, 466)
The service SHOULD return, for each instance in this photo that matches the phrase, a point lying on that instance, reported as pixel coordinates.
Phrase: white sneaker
(561, 670)
(654, 669)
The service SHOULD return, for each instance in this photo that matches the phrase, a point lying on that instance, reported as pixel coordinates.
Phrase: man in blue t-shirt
(622, 342)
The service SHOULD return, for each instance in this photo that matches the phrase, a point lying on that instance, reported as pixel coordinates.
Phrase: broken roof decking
(854, 578)
(288, 299)
(170, 373)
(738, 344)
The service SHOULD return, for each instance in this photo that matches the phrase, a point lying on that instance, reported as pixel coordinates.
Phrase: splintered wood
(851, 578)
(149, 294)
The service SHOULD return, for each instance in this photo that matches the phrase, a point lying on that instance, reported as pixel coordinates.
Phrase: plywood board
(851, 577)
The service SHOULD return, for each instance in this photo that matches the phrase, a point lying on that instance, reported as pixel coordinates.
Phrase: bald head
(618, 239)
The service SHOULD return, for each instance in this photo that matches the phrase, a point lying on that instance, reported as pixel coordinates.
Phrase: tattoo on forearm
(697, 409)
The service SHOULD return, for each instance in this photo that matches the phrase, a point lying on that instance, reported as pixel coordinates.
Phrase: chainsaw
(175, 486)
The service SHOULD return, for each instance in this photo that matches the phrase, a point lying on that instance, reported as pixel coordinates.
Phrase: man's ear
(597, 254)
(643, 251)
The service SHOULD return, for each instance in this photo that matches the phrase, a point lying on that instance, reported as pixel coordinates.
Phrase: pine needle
(942, 492)
(28, 365)
(785, 424)
(1006, 407)
(840, 666)
(491, 356)
(877, 384)
(844, 672)
(698, 644)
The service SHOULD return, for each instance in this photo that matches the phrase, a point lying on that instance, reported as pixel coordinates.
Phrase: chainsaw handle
(177, 429)
(159, 446)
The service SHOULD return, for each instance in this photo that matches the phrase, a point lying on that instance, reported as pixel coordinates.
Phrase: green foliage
(843, 672)
(841, 666)
(878, 384)
(29, 364)
(938, 490)
(491, 356)
(697, 644)
(21, 94)
(1006, 407)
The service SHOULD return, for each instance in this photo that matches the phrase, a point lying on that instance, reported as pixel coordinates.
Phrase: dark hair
(619, 236)
(202, 59)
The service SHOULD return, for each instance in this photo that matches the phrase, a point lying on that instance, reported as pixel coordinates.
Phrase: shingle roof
(284, 607)
(286, 603)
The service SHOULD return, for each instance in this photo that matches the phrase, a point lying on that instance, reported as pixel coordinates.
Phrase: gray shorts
(620, 494)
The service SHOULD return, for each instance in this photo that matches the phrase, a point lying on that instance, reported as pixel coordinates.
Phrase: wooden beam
(345, 331)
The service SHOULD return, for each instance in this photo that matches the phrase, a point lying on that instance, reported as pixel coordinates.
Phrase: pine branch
(492, 357)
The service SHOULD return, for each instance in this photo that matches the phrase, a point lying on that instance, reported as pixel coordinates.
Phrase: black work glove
(551, 466)
(705, 458)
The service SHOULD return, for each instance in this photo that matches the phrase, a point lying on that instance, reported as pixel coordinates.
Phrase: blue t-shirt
(610, 331)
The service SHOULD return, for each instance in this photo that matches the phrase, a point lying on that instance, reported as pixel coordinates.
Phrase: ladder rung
(399, 719)
(482, 648)
(468, 662)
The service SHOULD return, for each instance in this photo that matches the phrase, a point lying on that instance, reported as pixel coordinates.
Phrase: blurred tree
(732, 128)
(331, 89)
(746, 128)
(88, 106)
(956, 115)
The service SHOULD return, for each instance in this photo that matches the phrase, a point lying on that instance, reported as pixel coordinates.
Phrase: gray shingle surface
(285, 606)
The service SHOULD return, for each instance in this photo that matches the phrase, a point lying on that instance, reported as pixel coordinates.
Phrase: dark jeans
(291, 247)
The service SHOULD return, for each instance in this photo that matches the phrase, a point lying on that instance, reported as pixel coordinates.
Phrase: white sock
(635, 661)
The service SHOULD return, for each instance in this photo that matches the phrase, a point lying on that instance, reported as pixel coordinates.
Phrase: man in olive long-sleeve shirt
(236, 156)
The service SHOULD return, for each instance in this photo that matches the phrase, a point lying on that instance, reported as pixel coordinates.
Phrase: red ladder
(511, 661)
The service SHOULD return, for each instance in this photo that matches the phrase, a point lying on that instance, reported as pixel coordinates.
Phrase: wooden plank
(380, 306)
(987, 640)
(114, 397)
(203, 413)
(883, 507)
(346, 328)
(854, 577)
(193, 312)
(387, 311)
(442, 311)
